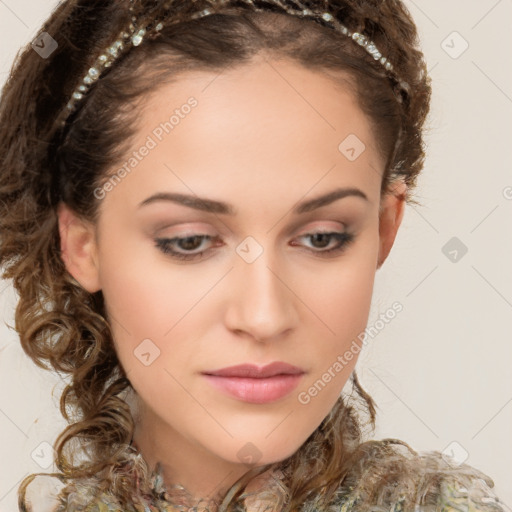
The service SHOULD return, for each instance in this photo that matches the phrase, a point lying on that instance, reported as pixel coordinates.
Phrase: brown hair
(61, 325)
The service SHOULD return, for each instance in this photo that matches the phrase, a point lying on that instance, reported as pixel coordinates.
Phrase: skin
(263, 137)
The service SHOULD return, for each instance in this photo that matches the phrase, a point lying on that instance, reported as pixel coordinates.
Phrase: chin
(254, 453)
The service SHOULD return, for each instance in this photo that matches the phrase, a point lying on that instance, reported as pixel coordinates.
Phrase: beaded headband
(134, 34)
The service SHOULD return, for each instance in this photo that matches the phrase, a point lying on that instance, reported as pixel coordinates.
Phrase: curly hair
(63, 327)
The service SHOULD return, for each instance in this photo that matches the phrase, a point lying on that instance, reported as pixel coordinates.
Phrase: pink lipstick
(255, 384)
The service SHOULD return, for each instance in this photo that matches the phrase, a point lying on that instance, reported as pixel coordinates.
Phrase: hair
(62, 326)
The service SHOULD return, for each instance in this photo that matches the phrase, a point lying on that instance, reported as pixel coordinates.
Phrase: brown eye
(322, 239)
(188, 243)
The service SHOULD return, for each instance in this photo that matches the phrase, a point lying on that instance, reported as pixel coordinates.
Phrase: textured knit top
(434, 484)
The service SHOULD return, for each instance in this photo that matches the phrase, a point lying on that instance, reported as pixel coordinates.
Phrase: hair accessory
(134, 34)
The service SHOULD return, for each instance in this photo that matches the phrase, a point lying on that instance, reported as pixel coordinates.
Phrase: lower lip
(256, 391)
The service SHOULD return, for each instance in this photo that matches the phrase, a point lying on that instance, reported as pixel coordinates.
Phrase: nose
(262, 304)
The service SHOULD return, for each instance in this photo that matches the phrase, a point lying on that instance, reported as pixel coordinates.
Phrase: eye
(342, 239)
(188, 244)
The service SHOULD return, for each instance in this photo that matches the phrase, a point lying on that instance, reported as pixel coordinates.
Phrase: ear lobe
(78, 248)
(390, 218)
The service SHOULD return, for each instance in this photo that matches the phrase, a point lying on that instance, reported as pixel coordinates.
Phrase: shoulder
(472, 494)
(457, 486)
(48, 493)
(54, 492)
(390, 473)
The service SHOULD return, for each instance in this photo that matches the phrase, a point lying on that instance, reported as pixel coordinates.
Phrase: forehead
(269, 123)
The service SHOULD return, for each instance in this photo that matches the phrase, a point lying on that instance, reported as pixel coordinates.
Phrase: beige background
(440, 370)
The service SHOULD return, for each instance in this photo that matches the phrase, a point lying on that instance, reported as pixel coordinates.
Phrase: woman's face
(252, 280)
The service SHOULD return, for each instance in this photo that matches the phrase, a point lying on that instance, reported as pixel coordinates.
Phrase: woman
(195, 200)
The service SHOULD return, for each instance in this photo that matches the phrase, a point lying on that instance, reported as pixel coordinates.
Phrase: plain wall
(440, 370)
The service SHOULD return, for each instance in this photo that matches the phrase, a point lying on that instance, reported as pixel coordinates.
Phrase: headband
(134, 34)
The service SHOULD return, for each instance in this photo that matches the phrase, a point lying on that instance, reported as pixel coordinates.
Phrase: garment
(438, 486)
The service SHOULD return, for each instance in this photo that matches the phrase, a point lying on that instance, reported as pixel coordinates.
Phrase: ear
(78, 248)
(390, 217)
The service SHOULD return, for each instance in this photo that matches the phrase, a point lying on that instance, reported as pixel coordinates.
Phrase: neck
(190, 473)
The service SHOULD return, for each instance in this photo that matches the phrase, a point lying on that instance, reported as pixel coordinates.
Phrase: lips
(257, 372)
(256, 384)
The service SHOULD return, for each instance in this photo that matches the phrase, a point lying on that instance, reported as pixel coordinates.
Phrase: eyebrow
(212, 206)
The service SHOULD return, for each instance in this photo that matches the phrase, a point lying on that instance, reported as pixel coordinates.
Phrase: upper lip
(258, 372)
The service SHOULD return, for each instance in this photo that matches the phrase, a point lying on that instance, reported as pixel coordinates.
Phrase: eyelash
(344, 240)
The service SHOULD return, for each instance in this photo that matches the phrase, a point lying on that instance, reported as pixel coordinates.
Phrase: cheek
(341, 299)
(143, 293)
(342, 293)
(151, 304)
(343, 308)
